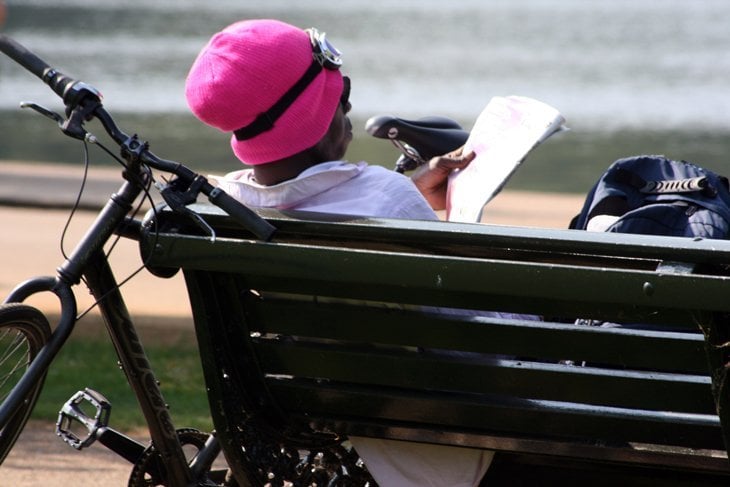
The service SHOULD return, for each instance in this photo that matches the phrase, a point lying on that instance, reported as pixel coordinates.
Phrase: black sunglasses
(345, 98)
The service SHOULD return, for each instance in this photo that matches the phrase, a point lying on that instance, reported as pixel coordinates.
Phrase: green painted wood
(309, 316)
(439, 371)
(342, 407)
(418, 278)
(354, 292)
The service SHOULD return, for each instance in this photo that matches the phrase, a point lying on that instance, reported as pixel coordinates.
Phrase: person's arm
(431, 179)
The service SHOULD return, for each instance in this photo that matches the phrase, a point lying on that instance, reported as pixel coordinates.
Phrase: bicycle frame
(88, 261)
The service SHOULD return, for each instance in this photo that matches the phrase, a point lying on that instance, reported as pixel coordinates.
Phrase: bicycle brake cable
(76, 204)
(145, 184)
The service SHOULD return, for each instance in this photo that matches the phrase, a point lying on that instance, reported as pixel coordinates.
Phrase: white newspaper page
(505, 132)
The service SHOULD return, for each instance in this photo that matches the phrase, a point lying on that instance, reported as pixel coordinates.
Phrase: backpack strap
(666, 186)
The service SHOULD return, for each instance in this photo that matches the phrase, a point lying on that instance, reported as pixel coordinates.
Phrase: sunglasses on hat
(326, 54)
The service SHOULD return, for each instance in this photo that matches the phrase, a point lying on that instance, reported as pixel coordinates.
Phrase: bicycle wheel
(23, 332)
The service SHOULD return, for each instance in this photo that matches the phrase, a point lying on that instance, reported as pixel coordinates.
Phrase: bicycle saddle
(419, 140)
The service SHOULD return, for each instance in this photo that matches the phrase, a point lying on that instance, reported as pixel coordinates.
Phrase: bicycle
(27, 342)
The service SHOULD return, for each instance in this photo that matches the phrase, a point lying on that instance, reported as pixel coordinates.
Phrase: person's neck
(284, 169)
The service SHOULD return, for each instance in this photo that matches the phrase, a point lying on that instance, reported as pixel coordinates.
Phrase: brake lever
(199, 220)
(44, 111)
(201, 223)
(73, 126)
(178, 200)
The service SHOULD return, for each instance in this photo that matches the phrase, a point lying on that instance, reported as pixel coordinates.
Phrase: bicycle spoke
(24, 330)
(20, 341)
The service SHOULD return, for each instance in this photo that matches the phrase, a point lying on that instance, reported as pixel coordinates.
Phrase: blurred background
(630, 76)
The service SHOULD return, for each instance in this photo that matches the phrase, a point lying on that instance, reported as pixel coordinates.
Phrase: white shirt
(360, 189)
(334, 187)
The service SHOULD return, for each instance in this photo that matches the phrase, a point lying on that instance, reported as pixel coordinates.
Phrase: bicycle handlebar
(23, 56)
(83, 100)
(67, 88)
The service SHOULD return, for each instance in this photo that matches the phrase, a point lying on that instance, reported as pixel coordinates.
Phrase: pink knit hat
(244, 70)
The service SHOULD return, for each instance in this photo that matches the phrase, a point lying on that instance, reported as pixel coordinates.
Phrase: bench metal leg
(717, 347)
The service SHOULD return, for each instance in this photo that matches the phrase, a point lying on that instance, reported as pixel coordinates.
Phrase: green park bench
(344, 326)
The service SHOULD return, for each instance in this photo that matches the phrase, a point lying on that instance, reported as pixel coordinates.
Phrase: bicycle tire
(24, 330)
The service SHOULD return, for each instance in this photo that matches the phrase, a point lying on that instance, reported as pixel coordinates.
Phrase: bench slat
(463, 239)
(336, 406)
(413, 370)
(311, 316)
(456, 282)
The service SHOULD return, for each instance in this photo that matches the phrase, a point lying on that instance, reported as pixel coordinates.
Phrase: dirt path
(40, 458)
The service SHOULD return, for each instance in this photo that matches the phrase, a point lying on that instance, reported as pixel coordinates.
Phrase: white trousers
(405, 464)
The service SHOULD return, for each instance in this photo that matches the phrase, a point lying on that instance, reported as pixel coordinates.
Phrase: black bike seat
(430, 136)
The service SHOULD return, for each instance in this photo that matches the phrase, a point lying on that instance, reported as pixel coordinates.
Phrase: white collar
(310, 182)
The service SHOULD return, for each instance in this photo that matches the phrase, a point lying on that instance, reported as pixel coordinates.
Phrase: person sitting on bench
(280, 91)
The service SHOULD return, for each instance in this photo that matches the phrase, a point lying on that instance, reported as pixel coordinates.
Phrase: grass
(89, 360)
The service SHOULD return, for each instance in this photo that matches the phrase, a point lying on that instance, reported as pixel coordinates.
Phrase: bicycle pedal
(73, 414)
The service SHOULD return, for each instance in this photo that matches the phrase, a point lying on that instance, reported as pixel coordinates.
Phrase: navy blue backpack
(655, 195)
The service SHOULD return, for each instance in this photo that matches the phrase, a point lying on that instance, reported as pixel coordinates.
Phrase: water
(624, 66)
(617, 64)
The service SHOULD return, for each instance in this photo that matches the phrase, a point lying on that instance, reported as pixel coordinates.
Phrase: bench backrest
(357, 326)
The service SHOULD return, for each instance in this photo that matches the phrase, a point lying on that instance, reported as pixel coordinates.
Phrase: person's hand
(431, 179)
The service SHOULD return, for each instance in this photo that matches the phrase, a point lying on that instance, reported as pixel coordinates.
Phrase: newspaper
(503, 135)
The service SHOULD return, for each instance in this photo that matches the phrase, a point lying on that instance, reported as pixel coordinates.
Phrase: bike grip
(14, 50)
(242, 214)
(18, 53)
